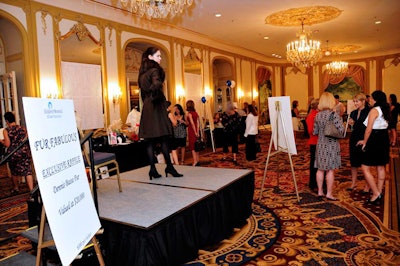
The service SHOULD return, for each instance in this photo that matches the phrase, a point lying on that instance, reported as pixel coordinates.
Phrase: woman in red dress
(193, 130)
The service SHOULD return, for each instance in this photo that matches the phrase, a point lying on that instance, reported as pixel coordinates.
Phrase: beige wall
(296, 86)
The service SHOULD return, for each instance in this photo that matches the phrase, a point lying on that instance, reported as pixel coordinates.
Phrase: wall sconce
(208, 92)
(116, 93)
(255, 93)
(240, 94)
(180, 93)
(49, 88)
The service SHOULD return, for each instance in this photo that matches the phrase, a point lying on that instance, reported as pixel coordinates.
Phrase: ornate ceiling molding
(309, 15)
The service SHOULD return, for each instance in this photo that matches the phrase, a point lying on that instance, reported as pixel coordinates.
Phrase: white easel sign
(281, 124)
(60, 171)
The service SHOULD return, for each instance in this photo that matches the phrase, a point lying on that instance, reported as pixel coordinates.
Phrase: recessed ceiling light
(378, 22)
(218, 15)
(266, 38)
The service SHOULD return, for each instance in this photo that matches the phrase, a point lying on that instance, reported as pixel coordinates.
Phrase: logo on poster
(52, 113)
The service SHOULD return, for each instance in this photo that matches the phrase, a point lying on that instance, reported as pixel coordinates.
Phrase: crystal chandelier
(303, 52)
(337, 67)
(156, 8)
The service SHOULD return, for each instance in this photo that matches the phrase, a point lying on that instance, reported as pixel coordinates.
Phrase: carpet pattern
(314, 231)
(281, 230)
(13, 220)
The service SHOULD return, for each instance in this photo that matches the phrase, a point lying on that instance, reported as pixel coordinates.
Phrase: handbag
(199, 145)
(331, 131)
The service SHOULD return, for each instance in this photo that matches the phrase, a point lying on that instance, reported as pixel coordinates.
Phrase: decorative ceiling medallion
(310, 15)
(341, 49)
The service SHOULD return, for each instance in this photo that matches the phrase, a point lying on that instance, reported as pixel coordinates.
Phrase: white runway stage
(198, 209)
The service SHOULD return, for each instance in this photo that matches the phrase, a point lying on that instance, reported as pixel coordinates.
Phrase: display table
(129, 155)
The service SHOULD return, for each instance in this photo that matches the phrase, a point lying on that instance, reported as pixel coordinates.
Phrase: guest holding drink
(180, 132)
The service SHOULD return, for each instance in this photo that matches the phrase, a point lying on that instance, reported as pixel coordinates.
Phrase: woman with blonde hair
(327, 157)
(356, 120)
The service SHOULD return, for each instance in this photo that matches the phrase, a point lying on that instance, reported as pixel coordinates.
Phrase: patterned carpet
(312, 232)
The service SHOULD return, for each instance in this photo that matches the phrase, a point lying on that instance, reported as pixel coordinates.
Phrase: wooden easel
(279, 118)
(44, 244)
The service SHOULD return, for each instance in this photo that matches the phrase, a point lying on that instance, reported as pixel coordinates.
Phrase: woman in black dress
(375, 144)
(356, 120)
(155, 126)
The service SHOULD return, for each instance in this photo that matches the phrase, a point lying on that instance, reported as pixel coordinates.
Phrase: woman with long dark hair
(180, 131)
(376, 144)
(155, 126)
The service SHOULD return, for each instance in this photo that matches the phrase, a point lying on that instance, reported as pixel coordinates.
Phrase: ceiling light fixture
(156, 8)
(337, 67)
(303, 52)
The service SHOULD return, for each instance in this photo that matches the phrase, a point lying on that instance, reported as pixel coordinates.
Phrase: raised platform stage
(166, 221)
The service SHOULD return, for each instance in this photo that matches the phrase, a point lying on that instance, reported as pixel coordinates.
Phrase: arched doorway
(222, 72)
(11, 61)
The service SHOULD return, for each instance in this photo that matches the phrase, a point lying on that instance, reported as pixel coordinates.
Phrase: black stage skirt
(377, 149)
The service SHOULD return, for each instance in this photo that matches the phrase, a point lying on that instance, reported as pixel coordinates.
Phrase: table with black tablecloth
(129, 155)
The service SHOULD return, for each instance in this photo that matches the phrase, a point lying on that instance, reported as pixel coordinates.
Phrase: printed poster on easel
(281, 127)
(61, 175)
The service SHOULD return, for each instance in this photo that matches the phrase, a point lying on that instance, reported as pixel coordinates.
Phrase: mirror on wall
(193, 79)
(222, 72)
(78, 45)
(81, 77)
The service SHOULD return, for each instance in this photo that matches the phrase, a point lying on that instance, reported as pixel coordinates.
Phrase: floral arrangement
(120, 130)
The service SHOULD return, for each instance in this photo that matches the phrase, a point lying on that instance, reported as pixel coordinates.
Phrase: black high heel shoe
(154, 174)
(171, 170)
(375, 201)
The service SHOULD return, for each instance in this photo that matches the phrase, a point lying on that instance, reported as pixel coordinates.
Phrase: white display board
(281, 127)
(61, 175)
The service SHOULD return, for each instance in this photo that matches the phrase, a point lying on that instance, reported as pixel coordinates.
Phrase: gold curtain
(355, 72)
(263, 74)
